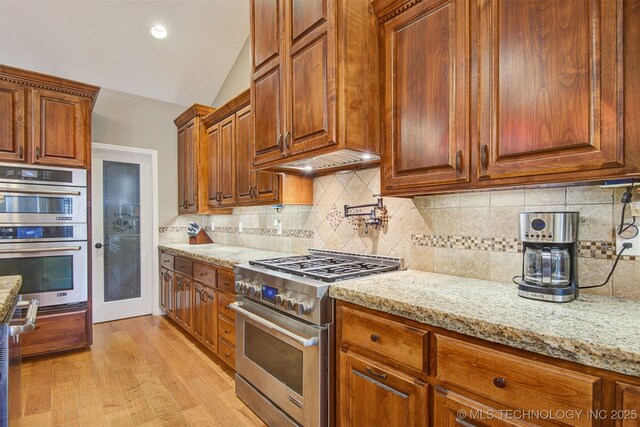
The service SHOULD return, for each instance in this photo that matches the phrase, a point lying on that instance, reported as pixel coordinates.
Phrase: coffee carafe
(550, 256)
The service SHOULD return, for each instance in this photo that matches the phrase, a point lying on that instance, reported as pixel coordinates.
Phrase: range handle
(305, 342)
(42, 192)
(30, 322)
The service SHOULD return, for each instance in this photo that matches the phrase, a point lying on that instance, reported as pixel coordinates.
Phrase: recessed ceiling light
(367, 156)
(308, 167)
(158, 31)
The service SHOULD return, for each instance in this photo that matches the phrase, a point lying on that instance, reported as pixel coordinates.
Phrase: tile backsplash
(466, 234)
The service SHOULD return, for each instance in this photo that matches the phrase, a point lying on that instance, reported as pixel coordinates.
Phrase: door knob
(100, 245)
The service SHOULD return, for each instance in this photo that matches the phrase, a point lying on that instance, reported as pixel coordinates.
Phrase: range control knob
(302, 308)
(290, 303)
(280, 299)
(254, 290)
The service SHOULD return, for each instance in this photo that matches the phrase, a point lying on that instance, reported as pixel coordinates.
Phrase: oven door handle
(30, 322)
(43, 192)
(305, 342)
(32, 250)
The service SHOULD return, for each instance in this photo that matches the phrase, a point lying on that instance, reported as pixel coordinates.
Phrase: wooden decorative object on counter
(201, 239)
(314, 89)
(493, 93)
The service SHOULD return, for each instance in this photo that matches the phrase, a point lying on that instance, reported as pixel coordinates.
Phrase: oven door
(53, 273)
(20, 203)
(282, 358)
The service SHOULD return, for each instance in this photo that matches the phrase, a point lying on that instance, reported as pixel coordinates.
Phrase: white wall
(238, 78)
(123, 119)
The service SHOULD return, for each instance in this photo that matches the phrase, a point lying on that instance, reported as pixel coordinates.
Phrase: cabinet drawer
(223, 307)
(226, 281)
(515, 381)
(227, 330)
(394, 340)
(227, 353)
(183, 266)
(204, 274)
(55, 332)
(166, 260)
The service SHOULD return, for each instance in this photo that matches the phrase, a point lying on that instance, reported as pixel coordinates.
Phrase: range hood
(344, 158)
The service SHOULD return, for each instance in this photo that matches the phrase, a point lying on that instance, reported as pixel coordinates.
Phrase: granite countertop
(221, 255)
(9, 288)
(593, 330)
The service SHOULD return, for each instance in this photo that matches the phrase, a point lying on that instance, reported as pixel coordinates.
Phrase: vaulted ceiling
(107, 43)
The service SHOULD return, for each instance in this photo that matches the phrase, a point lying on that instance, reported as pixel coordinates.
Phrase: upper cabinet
(231, 180)
(492, 93)
(192, 159)
(312, 90)
(43, 119)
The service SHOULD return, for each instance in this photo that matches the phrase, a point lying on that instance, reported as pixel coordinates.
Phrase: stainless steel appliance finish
(10, 359)
(53, 273)
(30, 194)
(43, 231)
(284, 319)
(550, 255)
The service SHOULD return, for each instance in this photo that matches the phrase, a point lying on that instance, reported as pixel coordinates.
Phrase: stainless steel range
(284, 325)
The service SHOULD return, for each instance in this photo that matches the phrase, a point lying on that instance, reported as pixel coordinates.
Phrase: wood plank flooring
(139, 372)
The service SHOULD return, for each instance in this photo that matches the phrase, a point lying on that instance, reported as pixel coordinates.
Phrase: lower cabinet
(374, 394)
(454, 410)
(197, 297)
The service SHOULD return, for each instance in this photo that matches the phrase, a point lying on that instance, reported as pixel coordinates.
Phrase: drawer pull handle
(227, 355)
(375, 374)
(375, 337)
(203, 274)
(499, 382)
(226, 283)
(226, 331)
(226, 307)
(166, 260)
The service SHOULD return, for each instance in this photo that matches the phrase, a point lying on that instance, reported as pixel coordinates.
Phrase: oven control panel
(276, 297)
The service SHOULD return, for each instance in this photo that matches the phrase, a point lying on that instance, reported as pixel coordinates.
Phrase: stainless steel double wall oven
(43, 232)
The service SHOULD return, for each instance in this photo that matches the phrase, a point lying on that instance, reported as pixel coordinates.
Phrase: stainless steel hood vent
(335, 159)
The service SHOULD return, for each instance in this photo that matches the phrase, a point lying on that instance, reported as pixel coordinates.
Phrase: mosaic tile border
(587, 249)
(272, 232)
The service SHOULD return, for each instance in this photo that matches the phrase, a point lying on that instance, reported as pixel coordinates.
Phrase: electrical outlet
(240, 228)
(633, 251)
(278, 226)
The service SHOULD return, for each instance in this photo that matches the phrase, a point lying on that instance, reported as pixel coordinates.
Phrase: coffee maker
(550, 256)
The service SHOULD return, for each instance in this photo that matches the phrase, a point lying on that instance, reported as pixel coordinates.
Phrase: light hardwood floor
(140, 371)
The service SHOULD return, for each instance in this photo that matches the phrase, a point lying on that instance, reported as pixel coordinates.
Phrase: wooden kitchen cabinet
(627, 405)
(231, 179)
(192, 159)
(372, 394)
(492, 93)
(167, 290)
(183, 300)
(426, 69)
(311, 75)
(44, 120)
(204, 315)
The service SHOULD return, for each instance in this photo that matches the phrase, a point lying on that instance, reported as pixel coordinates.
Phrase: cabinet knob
(499, 382)
(375, 337)
(227, 355)
(226, 331)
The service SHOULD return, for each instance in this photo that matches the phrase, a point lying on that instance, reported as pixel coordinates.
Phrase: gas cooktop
(330, 266)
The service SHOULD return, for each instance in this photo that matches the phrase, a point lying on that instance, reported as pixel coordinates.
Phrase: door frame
(153, 156)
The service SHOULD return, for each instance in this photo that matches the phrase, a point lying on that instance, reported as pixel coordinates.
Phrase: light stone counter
(220, 255)
(9, 288)
(598, 331)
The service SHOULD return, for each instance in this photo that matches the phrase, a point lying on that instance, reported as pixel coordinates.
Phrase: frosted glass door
(121, 230)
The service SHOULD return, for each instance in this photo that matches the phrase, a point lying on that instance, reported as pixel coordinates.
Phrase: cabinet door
(187, 303)
(213, 145)
(60, 129)
(628, 405)
(182, 169)
(268, 120)
(426, 96)
(199, 311)
(549, 87)
(267, 187)
(310, 92)
(454, 410)
(209, 329)
(226, 162)
(245, 178)
(191, 166)
(266, 18)
(374, 394)
(12, 122)
(166, 291)
(178, 303)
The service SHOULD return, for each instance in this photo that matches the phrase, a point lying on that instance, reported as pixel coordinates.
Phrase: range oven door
(53, 273)
(28, 203)
(284, 359)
